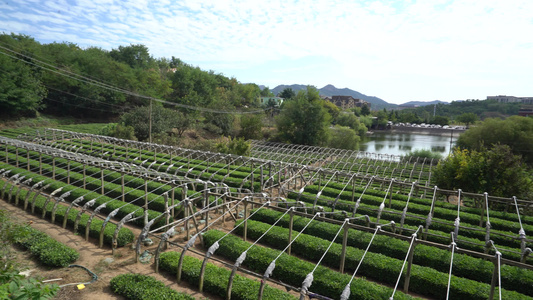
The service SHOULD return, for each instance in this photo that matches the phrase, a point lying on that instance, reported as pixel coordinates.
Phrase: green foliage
(481, 108)
(350, 120)
(224, 121)
(304, 120)
(292, 270)
(422, 153)
(365, 110)
(143, 287)
(119, 130)
(417, 212)
(136, 56)
(266, 92)
(441, 120)
(424, 280)
(163, 120)
(49, 251)
(332, 109)
(21, 89)
(15, 286)
(381, 118)
(342, 137)
(125, 235)
(515, 131)
(216, 279)
(251, 126)
(287, 94)
(513, 278)
(356, 111)
(467, 118)
(366, 120)
(237, 146)
(495, 171)
(12, 284)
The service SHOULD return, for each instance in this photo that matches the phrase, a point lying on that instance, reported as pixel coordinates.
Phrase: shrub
(143, 287)
(216, 279)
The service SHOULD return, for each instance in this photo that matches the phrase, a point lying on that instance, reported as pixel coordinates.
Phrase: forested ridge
(64, 79)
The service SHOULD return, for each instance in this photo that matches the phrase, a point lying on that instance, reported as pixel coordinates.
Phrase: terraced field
(321, 223)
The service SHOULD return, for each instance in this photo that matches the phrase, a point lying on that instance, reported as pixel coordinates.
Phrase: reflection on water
(402, 143)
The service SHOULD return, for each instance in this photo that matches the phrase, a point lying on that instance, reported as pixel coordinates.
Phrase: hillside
(331, 90)
(423, 103)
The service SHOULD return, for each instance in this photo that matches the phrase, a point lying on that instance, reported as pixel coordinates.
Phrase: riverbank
(424, 131)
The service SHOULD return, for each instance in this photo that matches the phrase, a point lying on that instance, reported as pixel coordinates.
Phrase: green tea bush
(143, 287)
(216, 279)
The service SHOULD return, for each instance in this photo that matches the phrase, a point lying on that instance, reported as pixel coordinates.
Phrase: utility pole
(434, 109)
(150, 121)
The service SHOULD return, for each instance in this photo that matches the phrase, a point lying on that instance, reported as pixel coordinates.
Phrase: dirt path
(100, 261)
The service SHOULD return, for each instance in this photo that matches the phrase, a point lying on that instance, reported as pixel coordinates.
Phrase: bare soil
(101, 261)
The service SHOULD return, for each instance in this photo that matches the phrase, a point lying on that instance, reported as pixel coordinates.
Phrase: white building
(511, 99)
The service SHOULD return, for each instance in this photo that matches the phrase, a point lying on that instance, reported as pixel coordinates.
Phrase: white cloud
(397, 50)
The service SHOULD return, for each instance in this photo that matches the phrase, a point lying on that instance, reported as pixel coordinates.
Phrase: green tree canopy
(266, 92)
(251, 126)
(287, 93)
(163, 120)
(342, 137)
(365, 110)
(495, 171)
(21, 90)
(467, 118)
(136, 56)
(516, 132)
(304, 120)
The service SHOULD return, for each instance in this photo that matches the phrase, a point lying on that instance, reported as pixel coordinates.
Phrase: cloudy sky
(396, 50)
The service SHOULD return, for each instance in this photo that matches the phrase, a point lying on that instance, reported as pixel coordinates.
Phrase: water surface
(402, 143)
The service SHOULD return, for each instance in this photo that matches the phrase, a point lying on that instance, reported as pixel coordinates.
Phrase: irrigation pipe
(95, 277)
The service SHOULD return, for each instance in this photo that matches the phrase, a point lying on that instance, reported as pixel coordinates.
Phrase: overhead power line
(100, 84)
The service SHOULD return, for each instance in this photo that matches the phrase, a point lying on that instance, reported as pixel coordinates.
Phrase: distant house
(346, 102)
(264, 100)
(526, 111)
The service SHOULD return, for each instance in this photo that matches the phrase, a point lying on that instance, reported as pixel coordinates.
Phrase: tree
(266, 92)
(495, 171)
(287, 93)
(515, 131)
(221, 119)
(251, 126)
(332, 109)
(304, 120)
(21, 90)
(237, 146)
(365, 110)
(342, 137)
(163, 120)
(441, 120)
(467, 118)
(136, 56)
(382, 118)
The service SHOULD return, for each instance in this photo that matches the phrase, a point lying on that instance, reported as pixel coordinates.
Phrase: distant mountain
(330, 90)
(294, 87)
(423, 103)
